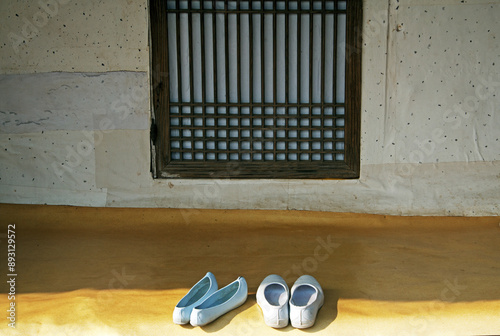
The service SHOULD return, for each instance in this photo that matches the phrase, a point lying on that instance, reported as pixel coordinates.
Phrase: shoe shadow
(187, 326)
(226, 319)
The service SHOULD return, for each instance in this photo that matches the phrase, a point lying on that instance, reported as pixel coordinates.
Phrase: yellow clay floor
(113, 271)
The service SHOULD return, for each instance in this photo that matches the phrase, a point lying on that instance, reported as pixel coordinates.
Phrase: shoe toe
(181, 316)
(196, 318)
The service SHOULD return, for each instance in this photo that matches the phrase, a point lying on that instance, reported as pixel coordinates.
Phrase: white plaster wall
(74, 113)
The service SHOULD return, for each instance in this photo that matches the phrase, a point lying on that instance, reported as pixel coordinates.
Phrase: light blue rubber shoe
(196, 295)
(272, 297)
(224, 300)
(307, 298)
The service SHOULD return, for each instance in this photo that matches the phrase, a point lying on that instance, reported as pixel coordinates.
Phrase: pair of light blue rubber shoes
(205, 302)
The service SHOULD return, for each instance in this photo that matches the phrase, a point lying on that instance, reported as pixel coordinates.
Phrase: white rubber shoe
(307, 298)
(196, 295)
(222, 301)
(272, 297)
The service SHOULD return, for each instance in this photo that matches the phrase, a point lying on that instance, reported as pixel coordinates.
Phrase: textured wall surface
(75, 113)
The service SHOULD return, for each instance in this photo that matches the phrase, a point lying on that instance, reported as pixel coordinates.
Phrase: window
(256, 89)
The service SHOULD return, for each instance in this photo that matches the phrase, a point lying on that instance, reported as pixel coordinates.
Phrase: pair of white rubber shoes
(205, 302)
(301, 306)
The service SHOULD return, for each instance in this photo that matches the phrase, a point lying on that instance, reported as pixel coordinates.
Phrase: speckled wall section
(73, 36)
(446, 86)
(75, 113)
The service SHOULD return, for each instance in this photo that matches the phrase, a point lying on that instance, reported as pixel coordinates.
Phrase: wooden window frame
(162, 167)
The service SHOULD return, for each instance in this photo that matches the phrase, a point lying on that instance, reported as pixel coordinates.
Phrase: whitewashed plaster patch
(74, 101)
